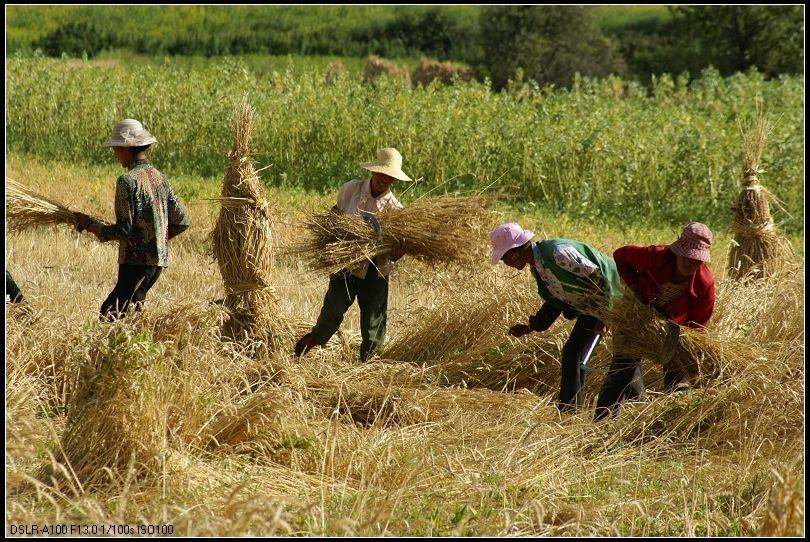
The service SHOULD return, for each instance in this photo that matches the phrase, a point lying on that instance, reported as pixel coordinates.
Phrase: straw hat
(505, 237)
(388, 161)
(694, 242)
(129, 133)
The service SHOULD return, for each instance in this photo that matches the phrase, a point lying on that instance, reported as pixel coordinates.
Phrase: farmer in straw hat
(369, 281)
(147, 215)
(676, 281)
(574, 280)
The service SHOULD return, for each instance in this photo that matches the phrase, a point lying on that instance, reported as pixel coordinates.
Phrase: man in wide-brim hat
(147, 215)
(368, 282)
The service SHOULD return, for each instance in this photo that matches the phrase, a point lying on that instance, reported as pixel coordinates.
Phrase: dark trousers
(572, 377)
(372, 297)
(12, 291)
(134, 281)
(624, 381)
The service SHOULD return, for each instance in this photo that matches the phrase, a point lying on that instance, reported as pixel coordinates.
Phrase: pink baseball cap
(694, 242)
(506, 237)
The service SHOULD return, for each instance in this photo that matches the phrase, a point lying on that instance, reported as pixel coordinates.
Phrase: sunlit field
(453, 430)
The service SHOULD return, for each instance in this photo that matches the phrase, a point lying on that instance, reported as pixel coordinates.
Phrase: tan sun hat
(388, 161)
(129, 133)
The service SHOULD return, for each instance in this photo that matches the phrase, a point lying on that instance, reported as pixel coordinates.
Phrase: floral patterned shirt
(147, 215)
(573, 277)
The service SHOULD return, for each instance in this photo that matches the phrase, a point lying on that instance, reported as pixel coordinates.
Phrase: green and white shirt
(574, 277)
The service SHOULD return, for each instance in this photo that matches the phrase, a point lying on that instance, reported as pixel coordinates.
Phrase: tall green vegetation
(447, 32)
(603, 148)
(549, 43)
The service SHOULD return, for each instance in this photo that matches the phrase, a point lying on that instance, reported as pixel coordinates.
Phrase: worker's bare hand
(519, 330)
(397, 249)
(82, 221)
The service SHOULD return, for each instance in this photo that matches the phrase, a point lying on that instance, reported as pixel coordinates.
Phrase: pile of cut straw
(27, 209)
(464, 340)
(701, 355)
(444, 229)
(758, 248)
(242, 243)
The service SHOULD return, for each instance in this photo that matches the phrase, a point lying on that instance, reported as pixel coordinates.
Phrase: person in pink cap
(574, 280)
(676, 281)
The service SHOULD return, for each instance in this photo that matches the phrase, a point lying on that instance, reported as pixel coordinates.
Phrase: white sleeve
(567, 257)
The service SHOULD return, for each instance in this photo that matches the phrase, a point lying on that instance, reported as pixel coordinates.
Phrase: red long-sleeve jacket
(646, 269)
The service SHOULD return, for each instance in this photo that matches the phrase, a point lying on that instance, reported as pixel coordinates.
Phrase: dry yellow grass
(28, 209)
(222, 443)
(427, 71)
(376, 67)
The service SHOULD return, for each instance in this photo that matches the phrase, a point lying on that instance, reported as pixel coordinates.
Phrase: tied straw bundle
(758, 248)
(27, 209)
(433, 230)
(242, 242)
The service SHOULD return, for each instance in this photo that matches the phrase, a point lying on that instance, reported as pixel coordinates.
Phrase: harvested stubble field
(162, 422)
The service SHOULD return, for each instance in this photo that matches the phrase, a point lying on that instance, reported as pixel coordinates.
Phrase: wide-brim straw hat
(505, 237)
(129, 133)
(389, 162)
(694, 243)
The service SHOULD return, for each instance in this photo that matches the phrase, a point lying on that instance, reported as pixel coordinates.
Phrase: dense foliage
(604, 148)
(550, 43)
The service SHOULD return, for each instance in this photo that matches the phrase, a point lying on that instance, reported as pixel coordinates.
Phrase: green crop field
(156, 420)
(604, 149)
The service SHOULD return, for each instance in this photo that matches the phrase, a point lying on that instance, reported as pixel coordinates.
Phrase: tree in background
(736, 38)
(549, 43)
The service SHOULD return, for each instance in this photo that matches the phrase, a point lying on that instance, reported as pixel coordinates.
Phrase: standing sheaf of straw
(758, 248)
(27, 209)
(242, 241)
(444, 229)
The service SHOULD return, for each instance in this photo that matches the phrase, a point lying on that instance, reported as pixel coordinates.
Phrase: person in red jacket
(676, 281)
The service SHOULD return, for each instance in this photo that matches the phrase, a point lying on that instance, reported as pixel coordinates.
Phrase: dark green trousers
(372, 297)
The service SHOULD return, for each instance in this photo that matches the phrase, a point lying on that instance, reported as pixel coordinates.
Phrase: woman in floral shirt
(574, 280)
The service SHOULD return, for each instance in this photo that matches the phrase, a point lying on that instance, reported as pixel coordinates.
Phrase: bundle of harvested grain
(639, 331)
(428, 71)
(758, 248)
(242, 243)
(376, 67)
(445, 229)
(27, 209)
(334, 72)
(117, 419)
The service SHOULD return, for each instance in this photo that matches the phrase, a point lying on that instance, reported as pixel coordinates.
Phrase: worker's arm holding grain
(123, 214)
(540, 321)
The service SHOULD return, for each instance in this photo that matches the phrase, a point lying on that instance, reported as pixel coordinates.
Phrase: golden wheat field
(453, 430)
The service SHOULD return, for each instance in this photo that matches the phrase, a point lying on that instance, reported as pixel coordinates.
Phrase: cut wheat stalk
(27, 209)
(242, 243)
(444, 229)
(701, 356)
